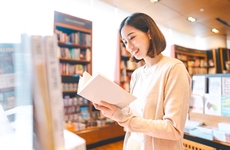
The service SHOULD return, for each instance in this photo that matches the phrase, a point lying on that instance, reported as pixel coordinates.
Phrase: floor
(111, 146)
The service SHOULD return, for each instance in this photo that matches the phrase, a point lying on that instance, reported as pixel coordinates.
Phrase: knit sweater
(165, 92)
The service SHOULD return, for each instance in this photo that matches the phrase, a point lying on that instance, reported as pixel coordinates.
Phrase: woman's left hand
(107, 109)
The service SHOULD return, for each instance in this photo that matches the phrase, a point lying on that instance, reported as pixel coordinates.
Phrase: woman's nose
(129, 46)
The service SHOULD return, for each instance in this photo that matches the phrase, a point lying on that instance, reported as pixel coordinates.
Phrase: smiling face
(136, 41)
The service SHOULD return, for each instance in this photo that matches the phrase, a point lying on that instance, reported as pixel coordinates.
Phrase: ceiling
(173, 14)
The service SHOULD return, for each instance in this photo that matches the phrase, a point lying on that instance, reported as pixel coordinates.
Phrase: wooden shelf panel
(209, 120)
(96, 134)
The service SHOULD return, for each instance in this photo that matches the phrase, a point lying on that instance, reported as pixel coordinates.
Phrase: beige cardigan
(166, 108)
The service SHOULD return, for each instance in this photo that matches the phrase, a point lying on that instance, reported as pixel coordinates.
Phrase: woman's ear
(149, 34)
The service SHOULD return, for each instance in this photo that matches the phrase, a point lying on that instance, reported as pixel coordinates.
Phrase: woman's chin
(138, 57)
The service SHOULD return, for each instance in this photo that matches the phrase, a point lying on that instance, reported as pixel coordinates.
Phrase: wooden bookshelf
(75, 55)
(75, 48)
(194, 60)
(95, 135)
(219, 57)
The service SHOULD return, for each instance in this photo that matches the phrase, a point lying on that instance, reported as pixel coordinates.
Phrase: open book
(98, 87)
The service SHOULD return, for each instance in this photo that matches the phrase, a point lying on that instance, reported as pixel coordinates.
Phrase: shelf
(77, 105)
(69, 92)
(68, 44)
(71, 75)
(74, 60)
(100, 133)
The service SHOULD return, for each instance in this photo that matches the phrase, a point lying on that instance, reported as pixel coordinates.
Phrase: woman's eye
(132, 37)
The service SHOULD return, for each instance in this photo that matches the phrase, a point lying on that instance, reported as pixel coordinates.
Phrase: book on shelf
(225, 106)
(48, 105)
(55, 90)
(42, 114)
(214, 85)
(196, 104)
(199, 85)
(225, 86)
(212, 104)
(98, 87)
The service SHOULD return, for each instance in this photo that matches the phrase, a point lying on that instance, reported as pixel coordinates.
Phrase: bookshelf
(75, 57)
(7, 76)
(75, 52)
(196, 61)
(126, 67)
(220, 57)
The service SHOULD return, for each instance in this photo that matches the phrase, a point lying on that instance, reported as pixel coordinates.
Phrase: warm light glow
(202, 9)
(215, 30)
(154, 1)
(191, 19)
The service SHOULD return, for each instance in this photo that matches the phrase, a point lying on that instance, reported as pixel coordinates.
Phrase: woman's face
(136, 42)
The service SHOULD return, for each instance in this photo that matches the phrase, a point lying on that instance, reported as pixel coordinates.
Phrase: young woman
(156, 119)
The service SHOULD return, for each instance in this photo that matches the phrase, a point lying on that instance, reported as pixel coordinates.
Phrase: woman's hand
(107, 109)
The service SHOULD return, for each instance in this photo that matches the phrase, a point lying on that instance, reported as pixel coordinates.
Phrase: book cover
(98, 87)
(214, 85)
(199, 85)
(225, 86)
(54, 90)
(196, 104)
(225, 106)
(42, 113)
(212, 104)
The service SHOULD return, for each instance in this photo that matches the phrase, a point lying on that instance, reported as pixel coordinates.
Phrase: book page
(83, 80)
(97, 88)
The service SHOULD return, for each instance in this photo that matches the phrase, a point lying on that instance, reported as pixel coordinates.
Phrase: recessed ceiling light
(154, 1)
(191, 19)
(202, 9)
(215, 30)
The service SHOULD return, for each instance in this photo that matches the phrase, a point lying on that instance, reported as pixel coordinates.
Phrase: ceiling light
(154, 1)
(215, 30)
(202, 9)
(191, 19)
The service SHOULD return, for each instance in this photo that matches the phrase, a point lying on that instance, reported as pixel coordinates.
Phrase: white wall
(37, 18)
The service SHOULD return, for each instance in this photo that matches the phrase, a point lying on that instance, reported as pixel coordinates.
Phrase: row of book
(80, 38)
(211, 95)
(69, 86)
(75, 101)
(194, 70)
(74, 53)
(71, 69)
(76, 114)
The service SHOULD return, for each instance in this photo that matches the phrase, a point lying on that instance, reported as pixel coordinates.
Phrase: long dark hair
(145, 23)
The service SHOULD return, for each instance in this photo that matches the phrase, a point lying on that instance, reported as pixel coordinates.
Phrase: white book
(42, 114)
(226, 86)
(196, 104)
(214, 85)
(98, 87)
(55, 90)
(212, 104)
(199, 85)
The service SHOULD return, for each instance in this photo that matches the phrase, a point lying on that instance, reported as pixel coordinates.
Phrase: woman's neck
(152, 61)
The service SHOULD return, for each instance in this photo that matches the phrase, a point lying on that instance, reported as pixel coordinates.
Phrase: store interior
(86, 39)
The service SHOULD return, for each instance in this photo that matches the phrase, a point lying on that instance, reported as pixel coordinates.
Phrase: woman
(156, 119)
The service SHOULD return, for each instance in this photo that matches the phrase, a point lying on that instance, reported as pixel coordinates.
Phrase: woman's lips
(135, 52)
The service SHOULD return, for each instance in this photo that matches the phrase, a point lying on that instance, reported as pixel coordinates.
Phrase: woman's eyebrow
(130, 33)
